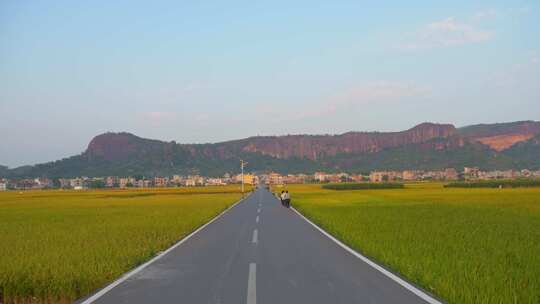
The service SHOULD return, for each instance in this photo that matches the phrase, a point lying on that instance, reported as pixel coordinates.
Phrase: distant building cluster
(79, 183)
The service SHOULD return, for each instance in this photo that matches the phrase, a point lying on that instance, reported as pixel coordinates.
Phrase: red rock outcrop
(315, 146)
(118, 146)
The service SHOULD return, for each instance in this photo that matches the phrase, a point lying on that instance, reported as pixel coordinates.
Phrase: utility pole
(242, 164)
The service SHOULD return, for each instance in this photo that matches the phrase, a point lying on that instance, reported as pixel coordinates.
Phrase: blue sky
(207, 71)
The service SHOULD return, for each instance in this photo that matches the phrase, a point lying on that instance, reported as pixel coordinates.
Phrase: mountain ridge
(427, 145)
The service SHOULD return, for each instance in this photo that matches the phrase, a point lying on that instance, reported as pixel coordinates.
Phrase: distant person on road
(282, 197)
(287, 199)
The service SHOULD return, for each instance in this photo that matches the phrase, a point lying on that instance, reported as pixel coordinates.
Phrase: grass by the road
(57, 246)
(464, 245)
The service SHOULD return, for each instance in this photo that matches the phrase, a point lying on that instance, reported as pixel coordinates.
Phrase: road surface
(258, 252)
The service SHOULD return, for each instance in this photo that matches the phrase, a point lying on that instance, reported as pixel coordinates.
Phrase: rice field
(463, 245)
(58, 246)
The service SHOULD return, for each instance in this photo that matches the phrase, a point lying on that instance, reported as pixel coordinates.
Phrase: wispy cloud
(522, 72)
(485, 14)
(446, 33)
(365, 94)
(197, 86)
(157, 116)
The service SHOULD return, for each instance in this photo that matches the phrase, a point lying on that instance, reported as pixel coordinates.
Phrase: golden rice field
(463, 245)
(57, 246)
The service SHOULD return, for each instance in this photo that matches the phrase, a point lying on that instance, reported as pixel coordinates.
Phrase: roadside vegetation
(514, 183)
(58, 246)
(463, 245)
(362, 186)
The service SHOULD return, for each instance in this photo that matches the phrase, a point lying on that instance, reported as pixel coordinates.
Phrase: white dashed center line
(251, 291)
(255, 236)
(257, 219)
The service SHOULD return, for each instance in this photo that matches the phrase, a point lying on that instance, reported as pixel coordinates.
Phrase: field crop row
(518, 183)
(362, 186)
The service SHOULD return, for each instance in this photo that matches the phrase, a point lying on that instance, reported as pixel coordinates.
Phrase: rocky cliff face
(502, 136)
(119, 146)
(499, 137)
(314, 147)
(111, 146)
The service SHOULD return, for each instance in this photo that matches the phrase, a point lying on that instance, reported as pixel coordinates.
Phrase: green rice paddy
(463, 245)
(57, 246)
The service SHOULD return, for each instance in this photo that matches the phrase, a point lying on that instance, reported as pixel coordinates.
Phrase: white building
(3, 186)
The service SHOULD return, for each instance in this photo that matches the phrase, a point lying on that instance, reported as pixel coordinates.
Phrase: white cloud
(446, 33)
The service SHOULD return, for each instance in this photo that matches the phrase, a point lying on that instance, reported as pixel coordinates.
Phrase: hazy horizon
(216, 71)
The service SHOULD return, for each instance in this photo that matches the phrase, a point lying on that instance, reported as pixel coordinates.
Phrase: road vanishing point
(260, 252)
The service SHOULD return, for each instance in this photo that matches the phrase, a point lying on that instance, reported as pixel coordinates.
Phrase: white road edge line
(257, 219)
(259, 210)
(129, 274)
(424, 296)
(252, 284)
(255, 236)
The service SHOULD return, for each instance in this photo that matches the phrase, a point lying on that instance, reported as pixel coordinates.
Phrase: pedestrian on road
(287, 199)
(282, 198)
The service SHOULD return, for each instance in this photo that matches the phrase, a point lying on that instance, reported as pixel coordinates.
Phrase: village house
(143, 183)
(76, 183)
(125, 182)
(412, 175)
(199, 180)
(295, 179)
(357, 178)
(340, 178)
(248, 179)
(498, 174)
(140, 183)
(42, 183)
(161, 181)
(215, 182)
(471, 172)
(111, 181)
(320, 177)
(227, 178)
(451, 174)
(177, 180)
(275, 178)
(190, 182)
(64, 183)
(333, 178)
(385, 176)
(376, 176)
(525, 173)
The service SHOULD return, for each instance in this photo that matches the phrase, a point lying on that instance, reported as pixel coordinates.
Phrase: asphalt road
(258, 252)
